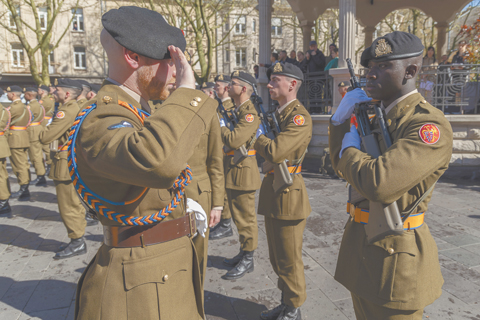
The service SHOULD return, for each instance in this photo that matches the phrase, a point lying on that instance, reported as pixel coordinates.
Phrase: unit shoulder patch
(249, 117)
(60, 115)
(299, 120)
(429, 133)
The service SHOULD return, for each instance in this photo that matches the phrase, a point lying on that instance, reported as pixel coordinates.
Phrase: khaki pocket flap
(204, 185)
(155, 269)
(404, 243)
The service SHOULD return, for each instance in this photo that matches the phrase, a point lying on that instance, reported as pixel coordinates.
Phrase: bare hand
(184, 72)
(314, 53)
(215, 216)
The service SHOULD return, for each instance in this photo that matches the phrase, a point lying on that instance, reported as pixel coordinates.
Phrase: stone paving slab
(34, 286)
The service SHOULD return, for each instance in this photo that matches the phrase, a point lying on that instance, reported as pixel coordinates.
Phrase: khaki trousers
(71, 209)
(365, 310)
(226, 209)
(285, 240)
(242, 208)
(46, 150)
(35, 153)
(4, 182)
(20, 166)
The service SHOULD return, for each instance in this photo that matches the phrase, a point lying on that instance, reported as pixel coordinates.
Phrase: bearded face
(156, 80)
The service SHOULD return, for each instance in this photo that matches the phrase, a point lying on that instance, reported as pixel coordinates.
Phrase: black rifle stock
(282, 178)
(383, 219)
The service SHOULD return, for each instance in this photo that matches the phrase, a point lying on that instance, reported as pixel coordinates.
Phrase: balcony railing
(316, 92)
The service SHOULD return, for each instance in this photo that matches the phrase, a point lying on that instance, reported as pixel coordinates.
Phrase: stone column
(346, 47)
(368, 30)
(441, 38)
(307, 34)
(264, 37)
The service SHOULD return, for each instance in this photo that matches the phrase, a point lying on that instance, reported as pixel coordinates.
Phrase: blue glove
(351, 139)
(346, 106)
(222, 122)
(260, 130)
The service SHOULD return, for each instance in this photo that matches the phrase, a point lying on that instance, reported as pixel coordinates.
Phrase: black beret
(44, 87)
(68, 83)
(285, 69)
(95, 87)
(344, 84)
(143, 31)
(393, 46)
(14, 89)
(223, 78)
(85, 83)
(208, 85)
(30, 89)
(243, 76)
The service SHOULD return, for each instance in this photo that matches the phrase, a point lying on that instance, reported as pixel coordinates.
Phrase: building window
(241, 57)
(254, 25)
(276, 27)
(42, 16)
(227, 56)
(18, 56)
(80, 60)
(240, 26)
(11, 21)
(77, 22)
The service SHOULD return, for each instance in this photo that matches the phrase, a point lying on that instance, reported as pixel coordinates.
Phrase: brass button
(198, 99)
(424, 101)
(391, 251)
(340, 174)
(389, 122)
(287, 190)
(407, 106)
(165, 277)
(107, 99)
(194, 103)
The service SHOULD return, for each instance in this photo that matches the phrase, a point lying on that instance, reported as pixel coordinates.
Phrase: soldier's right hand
(184, 72)
(347, 105)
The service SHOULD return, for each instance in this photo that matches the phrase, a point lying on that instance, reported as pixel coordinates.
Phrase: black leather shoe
(39, 182)
(23, 194)
(5, 207)
(290, 313)
(243, 267)
(234, 261)
(91, 218)
(273, 313)
(76, 247)
(222, 230)
(47, 170)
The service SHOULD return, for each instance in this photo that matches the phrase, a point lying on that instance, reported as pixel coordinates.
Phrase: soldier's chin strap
(94, 200)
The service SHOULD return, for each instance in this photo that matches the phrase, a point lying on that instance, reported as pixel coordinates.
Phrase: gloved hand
(200, 216)
(346, 106)
(351, 139)
(260, 130)
(222, 122)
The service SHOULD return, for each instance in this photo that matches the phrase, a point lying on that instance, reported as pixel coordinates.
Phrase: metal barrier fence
(316, 92)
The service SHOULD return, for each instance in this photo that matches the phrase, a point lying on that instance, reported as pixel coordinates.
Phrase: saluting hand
(184, 72)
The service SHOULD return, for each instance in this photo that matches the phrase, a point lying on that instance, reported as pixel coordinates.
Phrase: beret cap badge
(236, 73)
(220, 77)
(382, 48)
(278, 67)
(204, 85)
(56, 82)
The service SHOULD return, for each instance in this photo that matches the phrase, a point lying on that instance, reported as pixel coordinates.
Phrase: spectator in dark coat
(302, 62)
(273, 60)
(315, 58)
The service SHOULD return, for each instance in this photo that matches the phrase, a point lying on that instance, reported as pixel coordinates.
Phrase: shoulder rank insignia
(236, 73)
(278, 67)
(107, 99)
(123, 124)
(249, 117)
(299, 120)
(60, 115)
(429, 133)
(382, 48)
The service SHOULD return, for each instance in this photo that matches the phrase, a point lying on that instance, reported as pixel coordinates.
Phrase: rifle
(383, 219)
(228, 121)
(282, 178)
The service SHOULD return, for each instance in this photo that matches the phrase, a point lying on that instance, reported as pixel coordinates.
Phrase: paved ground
(34, 286)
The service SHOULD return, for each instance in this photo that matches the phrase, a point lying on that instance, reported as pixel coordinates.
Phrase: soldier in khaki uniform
(286, 211)
(35, 151)
(48, 103)
(396, 276)
(131, 161)
(19, 141)
(71, 209)
(5, 119)
(224, 228)
(242, 178)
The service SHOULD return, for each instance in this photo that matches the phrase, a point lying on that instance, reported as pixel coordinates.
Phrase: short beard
(154, 88)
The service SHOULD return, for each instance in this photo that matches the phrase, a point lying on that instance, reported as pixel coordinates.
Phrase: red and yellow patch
(429, 133)
(299, 120)
(249, 117)
(60, 115)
